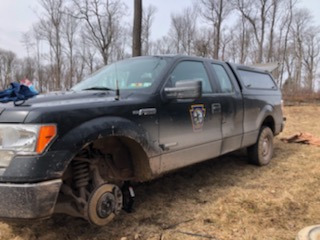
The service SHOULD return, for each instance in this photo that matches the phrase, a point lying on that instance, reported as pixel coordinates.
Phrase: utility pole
(137, 28)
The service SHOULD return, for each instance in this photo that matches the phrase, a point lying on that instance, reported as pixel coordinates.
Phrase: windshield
(134, 73)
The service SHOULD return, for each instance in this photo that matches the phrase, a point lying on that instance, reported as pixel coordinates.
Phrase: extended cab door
(190, 129)
(231, 101)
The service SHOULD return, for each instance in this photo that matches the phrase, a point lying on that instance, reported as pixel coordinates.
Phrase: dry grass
(223, 199)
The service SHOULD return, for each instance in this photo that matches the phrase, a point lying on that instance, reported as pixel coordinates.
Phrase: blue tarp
(17, 92)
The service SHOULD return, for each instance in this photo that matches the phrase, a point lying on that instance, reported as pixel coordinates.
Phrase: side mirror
(185, 89)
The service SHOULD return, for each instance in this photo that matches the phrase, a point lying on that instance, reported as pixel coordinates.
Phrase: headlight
(24, 139)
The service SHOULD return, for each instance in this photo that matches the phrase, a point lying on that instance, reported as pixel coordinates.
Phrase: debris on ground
(304, 138)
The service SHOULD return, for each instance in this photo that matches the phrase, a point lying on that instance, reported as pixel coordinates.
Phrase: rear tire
(262, 151)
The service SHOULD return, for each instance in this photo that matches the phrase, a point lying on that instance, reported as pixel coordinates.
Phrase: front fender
(52, 163)
(91, 130)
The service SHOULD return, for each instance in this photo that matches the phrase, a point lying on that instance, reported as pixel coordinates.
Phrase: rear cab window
(256, 80)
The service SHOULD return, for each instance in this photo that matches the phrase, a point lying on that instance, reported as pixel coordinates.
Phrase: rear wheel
(262, 151)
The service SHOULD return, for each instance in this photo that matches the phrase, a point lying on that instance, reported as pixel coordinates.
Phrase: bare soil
(221, 199)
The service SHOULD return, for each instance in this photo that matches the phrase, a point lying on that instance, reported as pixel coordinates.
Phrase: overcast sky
(17, 16)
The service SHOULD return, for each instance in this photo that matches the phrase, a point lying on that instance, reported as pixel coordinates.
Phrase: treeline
(73, 38)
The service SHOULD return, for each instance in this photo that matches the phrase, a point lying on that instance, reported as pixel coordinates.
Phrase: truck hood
(9, 112)
(61, 101)
(69, 98)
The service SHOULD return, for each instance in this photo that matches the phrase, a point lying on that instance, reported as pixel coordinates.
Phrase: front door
(190, 130)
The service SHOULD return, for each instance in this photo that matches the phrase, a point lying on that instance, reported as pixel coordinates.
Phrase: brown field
(223, 199)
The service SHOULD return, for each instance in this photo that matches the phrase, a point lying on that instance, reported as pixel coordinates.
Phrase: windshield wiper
(99, 88)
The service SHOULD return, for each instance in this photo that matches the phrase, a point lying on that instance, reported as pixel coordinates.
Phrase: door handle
(145, 111)
(215, 107)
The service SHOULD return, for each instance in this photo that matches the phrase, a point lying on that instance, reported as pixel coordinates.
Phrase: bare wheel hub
(106, 205)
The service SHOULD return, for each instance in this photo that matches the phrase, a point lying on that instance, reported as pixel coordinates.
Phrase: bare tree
(50, 27)
(203, 42)
(28, 63)
(301, 19)
(256, 13)
(239, 46)
(183, 30)
(70, 26)
(147, 20)
(24, 68)
(225, 39)
(164, 45)
(102, 20)
(7, 60)
(215, 11)
(176, 31)
(311, 56)
(27, 42)
(88, 56)
(39, 79)
(121, 43)
(274, 10)
(285, 27)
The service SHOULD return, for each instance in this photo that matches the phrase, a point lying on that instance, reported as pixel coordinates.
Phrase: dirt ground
(222, 199)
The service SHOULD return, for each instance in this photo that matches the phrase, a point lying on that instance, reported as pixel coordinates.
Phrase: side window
(191, 70)
(223, 78)
(257, 80)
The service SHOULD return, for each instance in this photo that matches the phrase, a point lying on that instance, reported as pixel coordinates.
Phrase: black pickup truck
(77, 152)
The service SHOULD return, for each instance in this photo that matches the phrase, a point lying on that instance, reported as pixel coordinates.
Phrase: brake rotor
(104, 204)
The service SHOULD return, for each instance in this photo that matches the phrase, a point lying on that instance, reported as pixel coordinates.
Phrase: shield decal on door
(198, 114)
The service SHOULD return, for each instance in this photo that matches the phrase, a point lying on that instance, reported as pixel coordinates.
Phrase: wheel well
(269, 122)
(128, 159)
(102, 170)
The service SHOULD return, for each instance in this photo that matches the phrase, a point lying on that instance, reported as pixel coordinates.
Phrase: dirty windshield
(134, 73)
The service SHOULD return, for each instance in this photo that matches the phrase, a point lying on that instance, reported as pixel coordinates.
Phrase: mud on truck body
(76, 152)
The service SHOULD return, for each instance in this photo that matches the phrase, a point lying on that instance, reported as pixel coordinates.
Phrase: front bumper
(28, 201)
